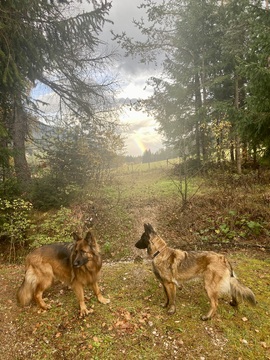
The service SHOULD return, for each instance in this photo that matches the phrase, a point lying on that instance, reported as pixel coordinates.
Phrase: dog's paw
(84, 312)
(171, 310)
(102, 300)
(45, 306)
(234, 303)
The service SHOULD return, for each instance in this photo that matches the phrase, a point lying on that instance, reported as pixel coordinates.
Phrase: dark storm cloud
(122, 13)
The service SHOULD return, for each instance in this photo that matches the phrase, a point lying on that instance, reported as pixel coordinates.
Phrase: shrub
(14, 222)
(48, 193)
(57, 227)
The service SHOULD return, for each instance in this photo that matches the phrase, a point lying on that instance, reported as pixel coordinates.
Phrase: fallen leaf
(96, 339)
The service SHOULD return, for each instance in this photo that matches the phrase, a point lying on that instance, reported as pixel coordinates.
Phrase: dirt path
(11, 343)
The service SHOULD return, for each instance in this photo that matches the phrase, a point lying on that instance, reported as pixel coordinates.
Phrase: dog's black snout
(80, 261)
(76, 263)
(141, 244)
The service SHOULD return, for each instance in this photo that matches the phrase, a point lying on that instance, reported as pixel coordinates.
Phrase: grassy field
(220, 216)
(134, 325)
(145, 167)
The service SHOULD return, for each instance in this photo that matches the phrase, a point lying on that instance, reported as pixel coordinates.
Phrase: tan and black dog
(172, 267)
(76, 264)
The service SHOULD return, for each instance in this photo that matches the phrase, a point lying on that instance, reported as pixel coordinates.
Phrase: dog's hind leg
(213, 306)
(212, 292)
(170, 291)
(41, 287)
(38, 297)
(44, 281)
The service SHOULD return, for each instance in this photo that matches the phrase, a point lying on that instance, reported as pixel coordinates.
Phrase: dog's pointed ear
(76, 237)
(146, 228)
(90, 238)
(149, 228)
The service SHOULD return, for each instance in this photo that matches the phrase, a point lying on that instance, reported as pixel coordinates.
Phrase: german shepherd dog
(172, 267)
(76, 264)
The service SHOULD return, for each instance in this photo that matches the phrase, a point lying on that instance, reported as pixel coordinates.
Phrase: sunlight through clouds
(141, 133)
(132, 76)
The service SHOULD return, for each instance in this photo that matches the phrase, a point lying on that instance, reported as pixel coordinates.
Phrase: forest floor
(134, 325)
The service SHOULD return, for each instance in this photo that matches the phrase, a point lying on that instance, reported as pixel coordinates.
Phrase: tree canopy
(54, 43)
(212, 98)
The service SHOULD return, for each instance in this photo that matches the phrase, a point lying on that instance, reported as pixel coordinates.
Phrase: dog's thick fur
(76, 264)
(172, 267)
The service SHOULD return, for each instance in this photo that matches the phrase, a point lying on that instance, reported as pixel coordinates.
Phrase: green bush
(49, 193)
(14, 222)
(57, 227)
(9, 189)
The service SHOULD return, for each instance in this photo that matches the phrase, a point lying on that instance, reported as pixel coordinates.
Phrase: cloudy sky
(131, 76)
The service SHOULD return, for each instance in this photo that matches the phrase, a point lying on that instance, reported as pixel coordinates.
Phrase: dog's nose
(76, 263)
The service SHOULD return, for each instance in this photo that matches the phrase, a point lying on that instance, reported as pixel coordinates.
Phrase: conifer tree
(53, 43)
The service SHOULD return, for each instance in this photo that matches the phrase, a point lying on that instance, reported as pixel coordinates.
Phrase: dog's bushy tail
(241, 292)
(26, 291)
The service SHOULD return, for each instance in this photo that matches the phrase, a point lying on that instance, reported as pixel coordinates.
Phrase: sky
(131, 75)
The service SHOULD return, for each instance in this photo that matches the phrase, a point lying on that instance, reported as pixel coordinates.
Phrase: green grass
(152, 184)
(145, 167)
(135, 326)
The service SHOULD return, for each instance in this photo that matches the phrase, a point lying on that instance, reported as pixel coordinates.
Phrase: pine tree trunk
(238, 155)
(203, 112)
(237, 138)
(232, 151)
(198, 107)
(19, 134)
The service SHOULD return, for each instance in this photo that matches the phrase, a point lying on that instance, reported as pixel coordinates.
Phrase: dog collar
(158, 252)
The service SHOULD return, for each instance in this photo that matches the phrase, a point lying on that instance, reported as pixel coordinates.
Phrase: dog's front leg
(78, 289)
(167, 297)
(98, 294)
(170, 291)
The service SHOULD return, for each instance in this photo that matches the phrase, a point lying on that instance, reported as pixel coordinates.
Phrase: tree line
(212, 100)
(148, 156)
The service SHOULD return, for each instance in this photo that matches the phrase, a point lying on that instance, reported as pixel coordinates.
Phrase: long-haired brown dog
(172, 267)
(77, 264)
